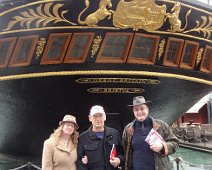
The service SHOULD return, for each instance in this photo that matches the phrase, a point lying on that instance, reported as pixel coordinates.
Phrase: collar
(69, 148)
(131, 129)
(107, 133)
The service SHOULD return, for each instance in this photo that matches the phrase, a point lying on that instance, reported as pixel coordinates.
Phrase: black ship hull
(37, 89)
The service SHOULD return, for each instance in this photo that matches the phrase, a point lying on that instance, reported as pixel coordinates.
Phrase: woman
(60, 150)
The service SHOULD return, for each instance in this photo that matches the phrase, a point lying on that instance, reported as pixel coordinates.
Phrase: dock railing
(194, 134)
(28, 166)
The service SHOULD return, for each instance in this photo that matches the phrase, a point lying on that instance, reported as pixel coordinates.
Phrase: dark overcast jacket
(161, 159)
(88, 145)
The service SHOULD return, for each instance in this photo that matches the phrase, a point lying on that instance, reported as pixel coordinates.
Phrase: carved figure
(175, 23)
(100, 14)
(139, 14)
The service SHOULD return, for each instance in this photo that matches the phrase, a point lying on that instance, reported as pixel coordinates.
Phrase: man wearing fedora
(140, 154)
(100, 147)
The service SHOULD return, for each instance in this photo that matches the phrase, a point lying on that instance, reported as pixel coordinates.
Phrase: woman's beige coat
(58, 156)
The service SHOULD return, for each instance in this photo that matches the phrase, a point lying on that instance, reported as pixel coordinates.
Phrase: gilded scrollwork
(40, 47)
(39, 16)
(101, 13)
(95, 46)
(137, 14)
(175, 22)
(205, 27)
(199, 56)
(161, 48)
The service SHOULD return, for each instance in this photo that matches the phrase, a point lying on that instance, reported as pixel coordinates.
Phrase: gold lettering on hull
(117, 80)
(115, 90)
(139, 14)
(40, 47)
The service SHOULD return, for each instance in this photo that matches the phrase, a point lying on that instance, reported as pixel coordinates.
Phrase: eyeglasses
(68, 124)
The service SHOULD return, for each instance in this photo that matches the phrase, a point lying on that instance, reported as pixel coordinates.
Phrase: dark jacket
(97, 155)
(161, 159)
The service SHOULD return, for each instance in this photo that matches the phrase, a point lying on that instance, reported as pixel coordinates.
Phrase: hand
(115, 161)
(156, 147)
(85, 160)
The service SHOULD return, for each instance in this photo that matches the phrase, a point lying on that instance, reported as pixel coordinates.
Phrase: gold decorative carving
(175, 23)
(199, 56)
(95, 45)
(39, 16)
(115, 90)
(118, 80)
(161, 48)
(40, 47)
(139, 14)
(100, 14)
(205, 27)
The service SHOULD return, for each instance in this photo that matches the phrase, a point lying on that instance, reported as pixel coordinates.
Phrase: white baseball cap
(96, 109)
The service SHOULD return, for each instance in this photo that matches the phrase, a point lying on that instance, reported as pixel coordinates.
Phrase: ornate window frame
(193, 55)
(59, 60)
(133, 60)
(111, 59)
(87, 47)
(202, 68)
(12, 41)
(178, 52)
(13, 62)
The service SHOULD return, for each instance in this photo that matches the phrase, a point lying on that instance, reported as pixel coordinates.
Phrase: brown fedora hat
(69, 118)
(138, 100)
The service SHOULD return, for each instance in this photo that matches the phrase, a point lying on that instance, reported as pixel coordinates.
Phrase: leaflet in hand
(154, 137)
(113, 152)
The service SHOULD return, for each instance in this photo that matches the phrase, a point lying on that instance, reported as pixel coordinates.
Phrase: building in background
(200, 113)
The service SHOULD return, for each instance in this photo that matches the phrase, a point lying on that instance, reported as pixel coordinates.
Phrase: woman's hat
(138, 100)
(69, 118)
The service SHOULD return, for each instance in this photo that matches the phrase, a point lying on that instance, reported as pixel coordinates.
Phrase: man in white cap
(141, 152)
(96, 145)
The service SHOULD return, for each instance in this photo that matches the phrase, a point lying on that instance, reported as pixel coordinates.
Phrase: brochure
(154, 137)
(113, 151)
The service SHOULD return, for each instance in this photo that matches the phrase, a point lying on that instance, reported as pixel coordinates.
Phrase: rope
(23, 166)
(29, 164)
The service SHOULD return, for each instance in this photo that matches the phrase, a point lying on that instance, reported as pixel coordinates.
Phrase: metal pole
(177, 161)
(29, 165)
(209, 108)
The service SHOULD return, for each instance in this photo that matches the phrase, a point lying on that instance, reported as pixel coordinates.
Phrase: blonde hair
(58, 133)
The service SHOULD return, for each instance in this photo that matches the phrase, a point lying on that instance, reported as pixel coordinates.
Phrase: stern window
(189, 55)
(115, 48)
(206, 64)
(24, 51)
(173, 52)
(56, 48)
(6, 48)
(144, 49)
(79, 47)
